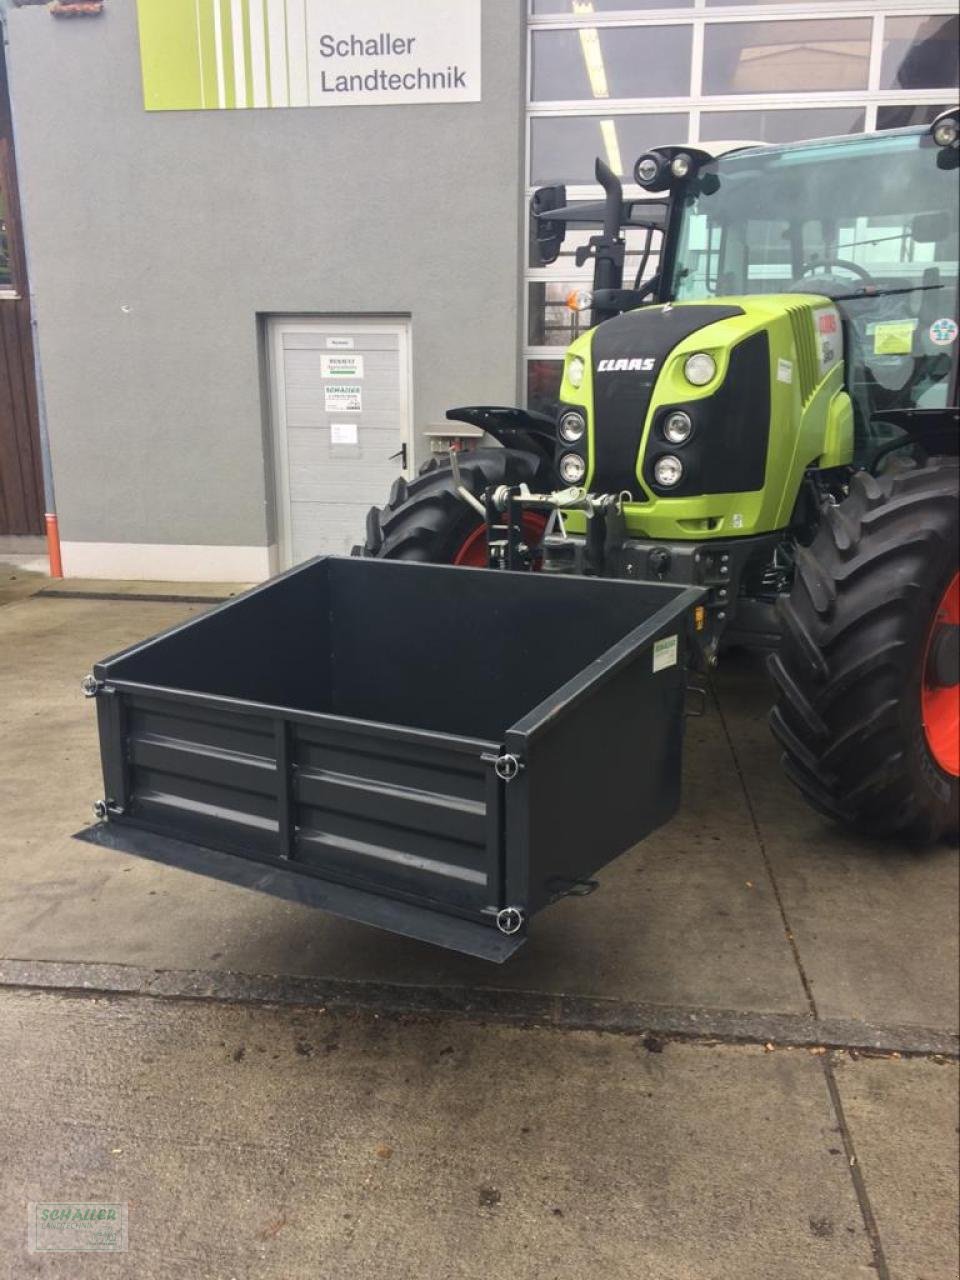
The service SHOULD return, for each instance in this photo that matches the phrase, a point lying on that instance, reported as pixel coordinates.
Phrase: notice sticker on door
(339, 344)
(342, 397)
(665, 653)
(344, 433)
(784, 370)
(341, 366)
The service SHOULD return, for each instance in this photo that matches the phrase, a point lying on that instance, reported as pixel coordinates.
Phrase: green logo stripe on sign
(170, 55)
(200, 55)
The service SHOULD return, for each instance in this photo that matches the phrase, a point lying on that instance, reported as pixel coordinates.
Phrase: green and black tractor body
(708, 473)
(772, 416)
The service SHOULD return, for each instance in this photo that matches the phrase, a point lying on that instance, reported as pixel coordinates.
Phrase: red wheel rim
(940, 704)
(473, 551)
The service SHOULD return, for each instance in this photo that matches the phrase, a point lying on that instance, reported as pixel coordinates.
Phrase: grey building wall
(155, 239)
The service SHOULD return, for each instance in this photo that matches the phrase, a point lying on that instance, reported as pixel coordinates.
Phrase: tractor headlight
(668, 471)
(572, 427)
(572, 468)
(700, 368)
(575, 371)
(678, 427)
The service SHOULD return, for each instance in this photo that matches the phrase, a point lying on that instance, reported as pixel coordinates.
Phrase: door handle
(402, 455)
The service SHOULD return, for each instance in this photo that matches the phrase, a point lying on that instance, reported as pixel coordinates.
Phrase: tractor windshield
(870, 222)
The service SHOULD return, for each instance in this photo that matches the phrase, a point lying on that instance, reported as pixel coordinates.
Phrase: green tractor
(773, 416)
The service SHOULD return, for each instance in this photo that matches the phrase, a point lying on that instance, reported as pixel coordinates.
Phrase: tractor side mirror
(548, 232)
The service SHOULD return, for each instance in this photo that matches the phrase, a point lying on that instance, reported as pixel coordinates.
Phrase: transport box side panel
(446, 649)
(468, 651)
(192, 771)
(399, 813)
(270, 645)
(602, 761)
(417, 819)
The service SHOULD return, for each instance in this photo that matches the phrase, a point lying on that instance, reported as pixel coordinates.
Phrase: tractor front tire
(874, 598)
(427, 520)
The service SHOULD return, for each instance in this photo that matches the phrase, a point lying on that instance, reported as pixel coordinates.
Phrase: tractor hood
(759, 399)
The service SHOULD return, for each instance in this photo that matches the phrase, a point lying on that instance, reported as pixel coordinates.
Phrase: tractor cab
(870, 223)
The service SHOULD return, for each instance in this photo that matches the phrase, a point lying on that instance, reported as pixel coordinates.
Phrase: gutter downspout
(49, 499)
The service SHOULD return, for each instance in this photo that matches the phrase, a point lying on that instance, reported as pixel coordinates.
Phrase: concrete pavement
(256, 1143)
(746, 919)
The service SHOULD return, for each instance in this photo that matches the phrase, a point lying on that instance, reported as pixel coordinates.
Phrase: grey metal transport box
(436, 751)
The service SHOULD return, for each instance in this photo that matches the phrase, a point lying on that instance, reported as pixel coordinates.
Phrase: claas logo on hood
(633, 364)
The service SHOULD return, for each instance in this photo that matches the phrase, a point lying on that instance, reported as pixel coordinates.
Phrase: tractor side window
(768, 259)
(746, 257)
(698, 262)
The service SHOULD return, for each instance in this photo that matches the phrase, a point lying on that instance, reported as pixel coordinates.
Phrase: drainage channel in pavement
(482, 1004)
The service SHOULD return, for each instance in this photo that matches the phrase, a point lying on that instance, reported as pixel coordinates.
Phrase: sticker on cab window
(893, 337)
(943, 331)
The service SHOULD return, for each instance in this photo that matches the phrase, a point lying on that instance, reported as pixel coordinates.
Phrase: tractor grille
(806, 350)
(622, 398)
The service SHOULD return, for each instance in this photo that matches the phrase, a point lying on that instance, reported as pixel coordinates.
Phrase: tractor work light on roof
(946, 133)
(700, 368)
(681, 164)
(647, 171)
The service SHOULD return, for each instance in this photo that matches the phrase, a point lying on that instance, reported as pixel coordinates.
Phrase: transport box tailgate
(438, 751)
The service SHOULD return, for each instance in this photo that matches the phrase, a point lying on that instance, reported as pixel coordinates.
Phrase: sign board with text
(224, 54)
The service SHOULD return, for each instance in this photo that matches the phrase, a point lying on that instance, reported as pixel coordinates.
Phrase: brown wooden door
(21, 473)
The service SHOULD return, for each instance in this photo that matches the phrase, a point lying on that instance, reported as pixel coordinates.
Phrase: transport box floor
(437, 751)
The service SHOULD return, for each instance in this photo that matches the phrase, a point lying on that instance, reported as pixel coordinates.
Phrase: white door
(341, 418)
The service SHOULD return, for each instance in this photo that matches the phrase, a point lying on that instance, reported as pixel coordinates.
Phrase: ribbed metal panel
(198, 773)
(405, 817)
(805, 348)
(364, 809)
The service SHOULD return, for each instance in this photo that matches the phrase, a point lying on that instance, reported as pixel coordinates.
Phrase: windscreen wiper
(868, 291)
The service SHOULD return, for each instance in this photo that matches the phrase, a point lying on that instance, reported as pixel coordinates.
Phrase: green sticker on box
(665, 653)
(893, 337)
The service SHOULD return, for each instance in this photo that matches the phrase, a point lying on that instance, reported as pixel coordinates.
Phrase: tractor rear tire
(427, 520)
(854, 669)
